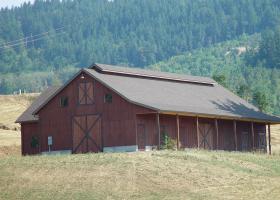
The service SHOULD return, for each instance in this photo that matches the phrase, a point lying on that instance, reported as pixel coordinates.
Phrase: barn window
(108, 98)
(86, 93)
(64, 101)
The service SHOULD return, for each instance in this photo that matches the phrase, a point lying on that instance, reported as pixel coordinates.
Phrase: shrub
(168, 142)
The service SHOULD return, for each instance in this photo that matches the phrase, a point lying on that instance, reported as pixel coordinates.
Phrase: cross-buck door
(206, 135)
(87, 134)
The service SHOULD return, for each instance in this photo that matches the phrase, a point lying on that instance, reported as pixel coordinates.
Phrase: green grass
(187, 174)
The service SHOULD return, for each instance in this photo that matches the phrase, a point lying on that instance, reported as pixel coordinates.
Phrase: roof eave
(205, 115)
(26, 121)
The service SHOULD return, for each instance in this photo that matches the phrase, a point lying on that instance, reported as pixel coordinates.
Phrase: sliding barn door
(206, 132)
(87, 134)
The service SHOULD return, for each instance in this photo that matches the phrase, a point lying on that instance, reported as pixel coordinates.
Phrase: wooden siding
(188, 135)
(148, 121)
(29, 130)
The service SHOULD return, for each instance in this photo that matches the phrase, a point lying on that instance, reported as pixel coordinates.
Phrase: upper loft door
(87, 134)
(86, 93)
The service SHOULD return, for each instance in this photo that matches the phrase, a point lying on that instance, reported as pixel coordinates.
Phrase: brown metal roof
(27, 115)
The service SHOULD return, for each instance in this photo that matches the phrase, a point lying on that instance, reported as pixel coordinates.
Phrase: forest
(236, 42)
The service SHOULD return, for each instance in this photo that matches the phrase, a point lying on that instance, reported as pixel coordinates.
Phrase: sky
(10, 3)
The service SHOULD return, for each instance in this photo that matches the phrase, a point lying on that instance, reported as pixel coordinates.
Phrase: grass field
(187, 174)
(11, 106)
(142, 175)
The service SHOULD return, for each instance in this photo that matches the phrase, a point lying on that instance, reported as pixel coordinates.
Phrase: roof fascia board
(27, 121)
(203, 115)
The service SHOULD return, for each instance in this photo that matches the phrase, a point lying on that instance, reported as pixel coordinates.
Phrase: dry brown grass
(9, 138)
(9, 142)
(275, 139)
(142, 175)
(11, 106)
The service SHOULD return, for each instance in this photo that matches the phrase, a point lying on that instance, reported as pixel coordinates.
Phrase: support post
(253, 136)
(158, 129)
(178, 131)
(197, 132)
(269, 140)
(217, 134)
(235, 134)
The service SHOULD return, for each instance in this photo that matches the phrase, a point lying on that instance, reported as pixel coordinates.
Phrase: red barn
(108, 108)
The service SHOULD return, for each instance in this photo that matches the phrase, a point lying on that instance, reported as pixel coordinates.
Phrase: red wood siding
(148, 121)
(188, 135)
(29, 130)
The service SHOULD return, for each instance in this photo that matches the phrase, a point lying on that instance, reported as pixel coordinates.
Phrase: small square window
(108, 98)
(64, 101)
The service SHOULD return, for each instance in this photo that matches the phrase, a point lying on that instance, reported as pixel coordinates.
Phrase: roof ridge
(144, 73)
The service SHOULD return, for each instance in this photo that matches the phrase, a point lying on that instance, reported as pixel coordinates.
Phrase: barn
(107, 108)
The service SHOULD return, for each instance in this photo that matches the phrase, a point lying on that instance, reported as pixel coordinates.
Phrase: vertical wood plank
(253, 136)
(197, 132)
(158, 129)
(269, 140)
(136, 134)
(87, 136)
(217, 134)
(235, 134)
(178, 131)
(22, 141)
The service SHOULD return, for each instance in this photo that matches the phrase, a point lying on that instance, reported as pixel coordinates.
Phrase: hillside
(11, 106)
(40, 41)
(228, 62)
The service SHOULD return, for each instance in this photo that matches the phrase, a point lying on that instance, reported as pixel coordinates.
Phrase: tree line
(126, 32)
